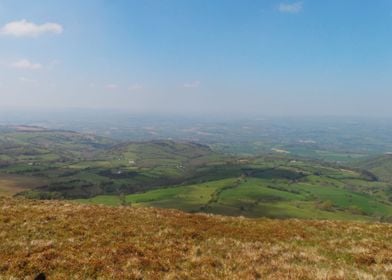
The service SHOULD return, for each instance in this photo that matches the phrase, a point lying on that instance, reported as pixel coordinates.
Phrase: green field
(45, 164)
(254, 197)
(381, 166)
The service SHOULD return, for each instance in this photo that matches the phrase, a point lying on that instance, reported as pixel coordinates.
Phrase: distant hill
(75, 165)
(54, 164)
(161, 153)
(380, 166)
(30, 144)
(64, 240)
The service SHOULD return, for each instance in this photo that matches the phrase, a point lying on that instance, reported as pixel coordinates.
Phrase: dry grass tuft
(71, 241)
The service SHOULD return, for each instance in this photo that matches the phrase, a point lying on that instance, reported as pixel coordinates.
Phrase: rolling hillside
(127, 168)
(63, 240)
(311, 197)
(37, 146)
(74, 165)
(48, 164)
(380, 166)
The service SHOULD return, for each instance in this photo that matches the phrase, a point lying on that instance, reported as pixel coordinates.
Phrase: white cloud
(24, 28)
(293, 8)
(111, 86)
(193, 84)
(53, 64)
(27, 80)
(135, 87)
(25, 64)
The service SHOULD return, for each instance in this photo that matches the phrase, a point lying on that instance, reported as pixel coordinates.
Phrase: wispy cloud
(53, 64)
(111, 86)
(193, 84)
(25, 64)
(135, 87)
(24, 28)
(291, 8)
(27, 80)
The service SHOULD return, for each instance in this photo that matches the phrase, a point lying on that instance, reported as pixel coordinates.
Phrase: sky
(230, 57)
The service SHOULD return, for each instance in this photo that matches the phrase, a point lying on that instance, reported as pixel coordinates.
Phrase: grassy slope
(380, 166)
(32, 156)
(20, 146)
(66, 240)
(77, 165)
(71, 165)
(256, 197)
(13, 184)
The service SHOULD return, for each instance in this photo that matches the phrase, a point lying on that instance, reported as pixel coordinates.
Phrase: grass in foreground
(72, 241)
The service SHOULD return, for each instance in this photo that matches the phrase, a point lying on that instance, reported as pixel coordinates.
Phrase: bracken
(71, 241)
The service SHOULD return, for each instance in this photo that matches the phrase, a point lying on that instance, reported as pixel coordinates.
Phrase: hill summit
(63, 240)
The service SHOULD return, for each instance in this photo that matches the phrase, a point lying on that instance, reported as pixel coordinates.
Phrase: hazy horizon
(191, 58)
(104, 112)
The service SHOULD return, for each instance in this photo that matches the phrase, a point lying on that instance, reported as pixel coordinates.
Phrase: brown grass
(71, 241)
(13, 184)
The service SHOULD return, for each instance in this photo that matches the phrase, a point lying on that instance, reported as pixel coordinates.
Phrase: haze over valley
(195, 139)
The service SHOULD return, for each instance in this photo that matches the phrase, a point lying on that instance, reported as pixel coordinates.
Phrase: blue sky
(198, 56)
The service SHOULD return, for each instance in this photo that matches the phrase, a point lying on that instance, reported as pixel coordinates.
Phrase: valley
(56, 164)
(181, 140)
